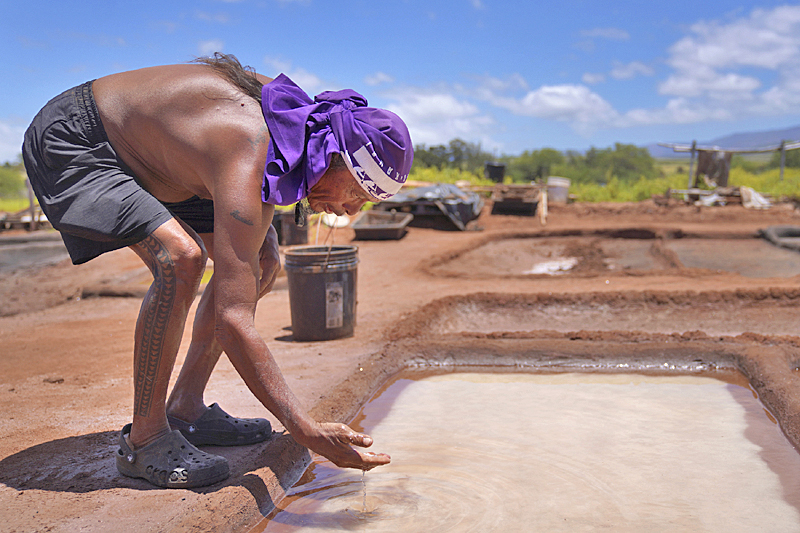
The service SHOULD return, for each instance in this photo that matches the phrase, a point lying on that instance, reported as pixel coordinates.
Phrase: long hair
(229, 68)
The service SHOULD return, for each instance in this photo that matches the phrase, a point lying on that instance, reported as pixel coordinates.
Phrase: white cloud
(677, 111)
(723, 64)
(630, 70)
(588, 43)
(436, 117)
(766, 39)
(721, 71)
(207, 48)
(706, 82)
(11, 133)
(490, 86)
(593, 79)
(378, 78)
(577, 105)
(306, 80)
(477, 4)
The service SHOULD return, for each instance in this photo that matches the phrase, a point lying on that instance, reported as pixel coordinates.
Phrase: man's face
(338, 192)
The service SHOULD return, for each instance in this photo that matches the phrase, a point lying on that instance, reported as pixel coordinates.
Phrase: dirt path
(65, 363)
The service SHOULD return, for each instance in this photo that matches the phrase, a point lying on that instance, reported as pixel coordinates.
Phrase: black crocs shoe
(170, 462)
(217, 428)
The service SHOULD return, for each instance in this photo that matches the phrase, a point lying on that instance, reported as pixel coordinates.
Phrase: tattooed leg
(176, 261)
(155, 313)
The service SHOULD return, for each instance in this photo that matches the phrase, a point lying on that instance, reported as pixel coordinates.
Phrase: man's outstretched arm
(241, 225)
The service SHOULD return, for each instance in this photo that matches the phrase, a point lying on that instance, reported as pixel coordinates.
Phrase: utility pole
(691, 170)
(783, 157)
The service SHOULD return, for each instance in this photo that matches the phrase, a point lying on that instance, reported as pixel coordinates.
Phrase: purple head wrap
(304, 134)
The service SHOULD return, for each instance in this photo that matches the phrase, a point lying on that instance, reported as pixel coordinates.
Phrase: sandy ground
(433, 297)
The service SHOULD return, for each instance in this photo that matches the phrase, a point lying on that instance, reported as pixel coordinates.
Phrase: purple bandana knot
(347, 98)
(304, 134)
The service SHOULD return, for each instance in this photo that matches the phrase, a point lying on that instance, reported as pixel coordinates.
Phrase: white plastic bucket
(557, 190)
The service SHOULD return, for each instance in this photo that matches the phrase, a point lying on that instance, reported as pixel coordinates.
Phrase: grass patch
(674, 175)
(767, 182)
(619, 191)
(12, 205)
(448, 175)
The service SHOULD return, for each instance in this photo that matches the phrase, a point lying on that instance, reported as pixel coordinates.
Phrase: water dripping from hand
(364, 490)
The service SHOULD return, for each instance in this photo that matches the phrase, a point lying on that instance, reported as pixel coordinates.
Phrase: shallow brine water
(559, 452)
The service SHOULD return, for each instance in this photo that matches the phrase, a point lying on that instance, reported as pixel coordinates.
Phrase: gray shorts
(86, 191)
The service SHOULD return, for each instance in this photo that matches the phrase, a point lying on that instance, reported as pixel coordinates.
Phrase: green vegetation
(769, 181)
(12, 180)
(13, 193)
(457, 154)
(448, 175)
(12, 205)
(617, 190)
(622, 173)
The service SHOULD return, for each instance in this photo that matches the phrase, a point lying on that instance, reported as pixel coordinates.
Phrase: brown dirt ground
(66, 344)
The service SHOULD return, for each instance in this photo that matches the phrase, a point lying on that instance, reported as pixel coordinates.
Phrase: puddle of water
(559, 452)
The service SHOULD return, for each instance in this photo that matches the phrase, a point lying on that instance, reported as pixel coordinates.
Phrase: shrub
(12, 181)
(447, 175)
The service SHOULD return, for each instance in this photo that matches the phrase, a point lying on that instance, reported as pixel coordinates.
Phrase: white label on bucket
(334, 305)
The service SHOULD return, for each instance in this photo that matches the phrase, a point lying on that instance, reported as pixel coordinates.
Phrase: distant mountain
(749, 140)
(757, 139)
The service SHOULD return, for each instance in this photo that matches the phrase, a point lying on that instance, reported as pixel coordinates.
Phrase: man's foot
(170, 462)
(217, 428)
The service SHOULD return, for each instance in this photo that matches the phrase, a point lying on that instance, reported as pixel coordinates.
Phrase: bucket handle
(330, 247)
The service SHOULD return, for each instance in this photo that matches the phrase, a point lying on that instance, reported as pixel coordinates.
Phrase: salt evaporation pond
(559, 452)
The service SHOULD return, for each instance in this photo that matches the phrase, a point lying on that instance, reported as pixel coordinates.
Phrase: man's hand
(335, 442)
(270, 262)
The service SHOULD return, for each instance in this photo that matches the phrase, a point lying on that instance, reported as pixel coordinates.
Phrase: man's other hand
(269, 260)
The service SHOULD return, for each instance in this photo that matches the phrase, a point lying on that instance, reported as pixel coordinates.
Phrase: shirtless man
(185, 162)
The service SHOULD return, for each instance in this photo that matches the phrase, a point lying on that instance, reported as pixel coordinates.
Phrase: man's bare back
(182, 128)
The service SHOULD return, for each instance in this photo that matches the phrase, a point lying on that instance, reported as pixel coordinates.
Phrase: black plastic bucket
(322, 291)
(289, 233)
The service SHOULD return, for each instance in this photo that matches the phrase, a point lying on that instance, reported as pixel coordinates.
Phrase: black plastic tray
(381, 225)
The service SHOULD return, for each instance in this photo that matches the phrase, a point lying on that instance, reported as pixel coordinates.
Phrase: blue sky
(511, 76)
